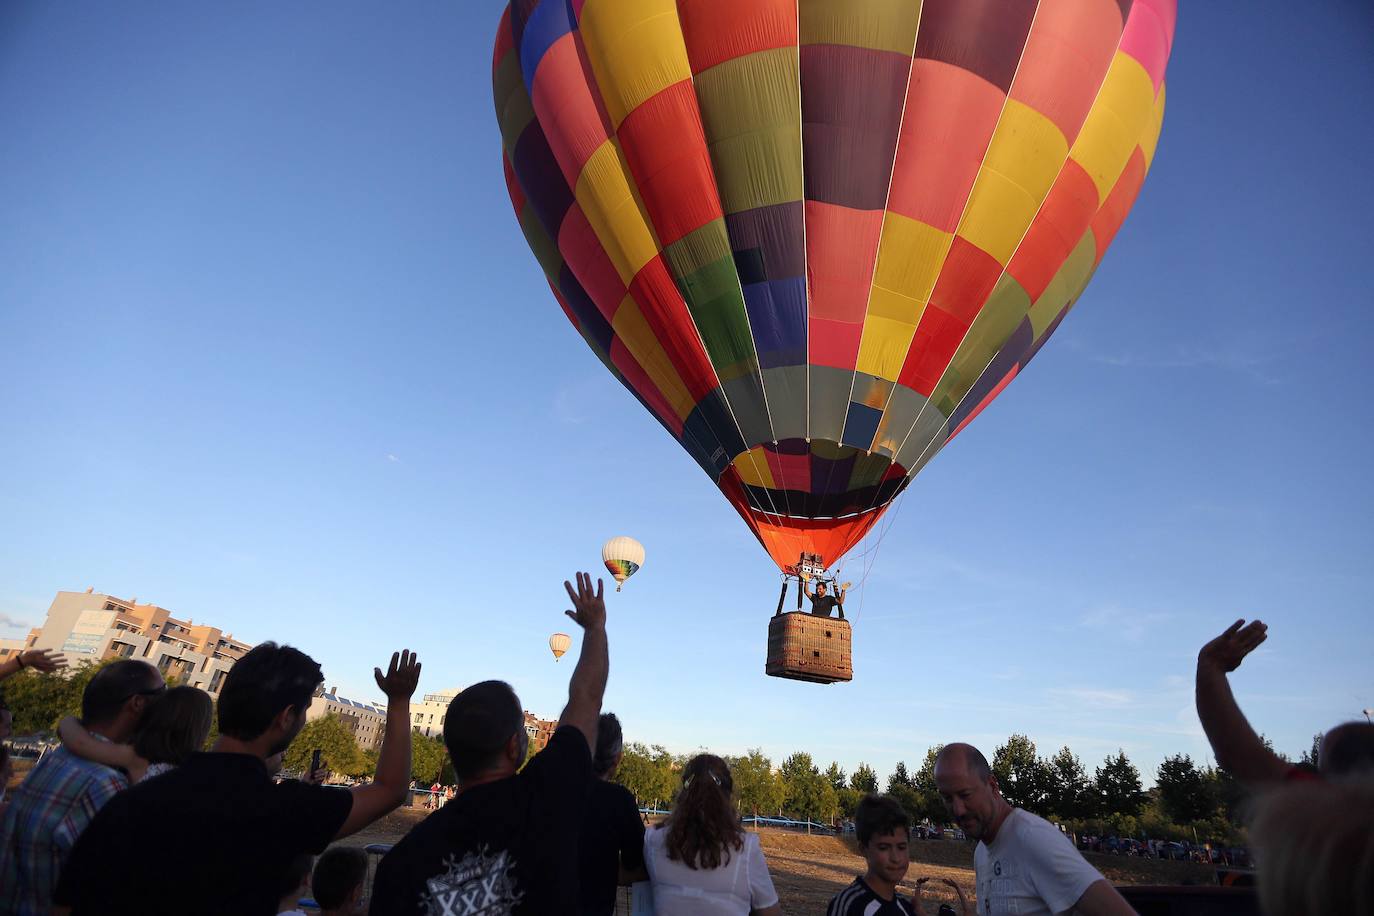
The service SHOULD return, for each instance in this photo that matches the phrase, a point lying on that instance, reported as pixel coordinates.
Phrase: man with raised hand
(1346, 749)
(1023, 864)
(242, 830)
(508, 843)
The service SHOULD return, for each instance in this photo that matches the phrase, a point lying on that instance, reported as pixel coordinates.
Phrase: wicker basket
(804, 647)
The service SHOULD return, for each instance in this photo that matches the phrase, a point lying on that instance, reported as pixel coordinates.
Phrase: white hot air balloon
(622, 556)
(559, 643)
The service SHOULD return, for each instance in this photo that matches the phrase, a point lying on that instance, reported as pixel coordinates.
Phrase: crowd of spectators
(129, 815)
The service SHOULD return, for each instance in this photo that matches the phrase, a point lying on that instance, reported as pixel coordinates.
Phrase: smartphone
(315, 760)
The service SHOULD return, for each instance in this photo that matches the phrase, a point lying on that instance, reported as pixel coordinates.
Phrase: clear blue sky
(278, 358)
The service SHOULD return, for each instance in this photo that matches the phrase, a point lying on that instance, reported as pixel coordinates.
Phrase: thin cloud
(13, 623)
(392, 458)
(1094, 697)
(1132, 625)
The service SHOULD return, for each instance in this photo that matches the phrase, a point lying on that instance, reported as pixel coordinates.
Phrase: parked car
(1173, 851)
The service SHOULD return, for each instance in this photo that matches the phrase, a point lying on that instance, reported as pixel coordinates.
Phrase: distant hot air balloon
(623, 556)
(815, 238)
(559, 643)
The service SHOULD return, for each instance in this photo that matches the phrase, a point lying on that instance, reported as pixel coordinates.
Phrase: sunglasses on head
(162, 688)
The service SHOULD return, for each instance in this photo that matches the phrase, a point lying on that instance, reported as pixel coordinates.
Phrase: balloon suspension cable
(870, 555)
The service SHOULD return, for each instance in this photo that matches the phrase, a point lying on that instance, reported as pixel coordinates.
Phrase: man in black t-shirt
(508, 843)
(822, 604)
(216, 835)
(612, 843)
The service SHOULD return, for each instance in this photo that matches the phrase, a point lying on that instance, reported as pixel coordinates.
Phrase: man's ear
(285, 720)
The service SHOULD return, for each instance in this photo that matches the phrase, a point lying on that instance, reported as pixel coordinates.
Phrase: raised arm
(1234, 742)
(588, 684)
(41, 660)
(388, 790)
(80, 742)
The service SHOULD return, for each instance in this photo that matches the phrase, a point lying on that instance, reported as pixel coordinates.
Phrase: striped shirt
(858, 899)
(48, 812)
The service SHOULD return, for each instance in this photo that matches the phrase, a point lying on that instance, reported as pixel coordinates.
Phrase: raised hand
(401, 678)
(590, 609)
(43, 660)
(1227, 651)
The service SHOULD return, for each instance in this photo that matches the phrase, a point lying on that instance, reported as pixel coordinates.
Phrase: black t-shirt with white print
(504, 848)
(858, 899)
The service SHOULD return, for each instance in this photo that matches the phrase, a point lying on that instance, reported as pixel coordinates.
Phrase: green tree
(39, 701)
(647, 773)
(899, 777)
(1313, 757)
(1118, 789)
(427, 756)
(808, 794)
(758, 790)
(835, 776)
(864, 780)
(849, 799)
(332, 738)
(1069, 793)
(1022, 776)
(929, 805)
(1186, 794)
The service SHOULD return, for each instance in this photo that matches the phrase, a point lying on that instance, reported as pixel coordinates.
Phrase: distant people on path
(1346, 749)
(247, 829)
(433, 801)
(701, 861)
(822, 604)
(340, 882)
(174, 727)
(611, 849)
(884, 833)
(1314, 849)
(509, 838)
(63, 792)
(1022, 864)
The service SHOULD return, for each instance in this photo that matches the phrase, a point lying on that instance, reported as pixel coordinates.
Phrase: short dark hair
(267, 680)
(610, 741)
(879, 814)
(112, 687)
(175, 726)
(479, 722)
(297, 871)
(338, 873)
(1348, 749)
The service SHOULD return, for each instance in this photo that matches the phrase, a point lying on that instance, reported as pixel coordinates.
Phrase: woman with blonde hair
(701, 861)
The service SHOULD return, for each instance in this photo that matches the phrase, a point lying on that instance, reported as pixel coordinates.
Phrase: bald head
(1347, 750)
(963, 758)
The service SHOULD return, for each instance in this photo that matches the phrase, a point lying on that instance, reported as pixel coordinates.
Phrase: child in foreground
(884, 831)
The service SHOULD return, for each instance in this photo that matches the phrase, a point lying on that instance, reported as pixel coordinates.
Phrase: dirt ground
(809, 870)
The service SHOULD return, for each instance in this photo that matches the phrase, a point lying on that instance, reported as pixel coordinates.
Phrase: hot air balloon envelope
(815, 238)
(623, 556)
(559, 643)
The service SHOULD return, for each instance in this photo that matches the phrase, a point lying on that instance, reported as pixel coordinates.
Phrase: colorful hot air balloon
(815, 238)
(623, 556)
(559, 643)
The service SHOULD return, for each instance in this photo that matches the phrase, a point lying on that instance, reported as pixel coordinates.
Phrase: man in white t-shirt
(1023, 863)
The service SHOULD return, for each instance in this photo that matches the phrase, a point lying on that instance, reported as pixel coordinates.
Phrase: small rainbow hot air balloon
(623, 556)
(559, 643)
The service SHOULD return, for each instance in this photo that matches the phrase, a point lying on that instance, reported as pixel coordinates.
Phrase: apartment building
(94, 626)
(367, 721)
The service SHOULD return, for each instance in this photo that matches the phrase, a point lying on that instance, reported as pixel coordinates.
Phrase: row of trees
(1187, 802)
